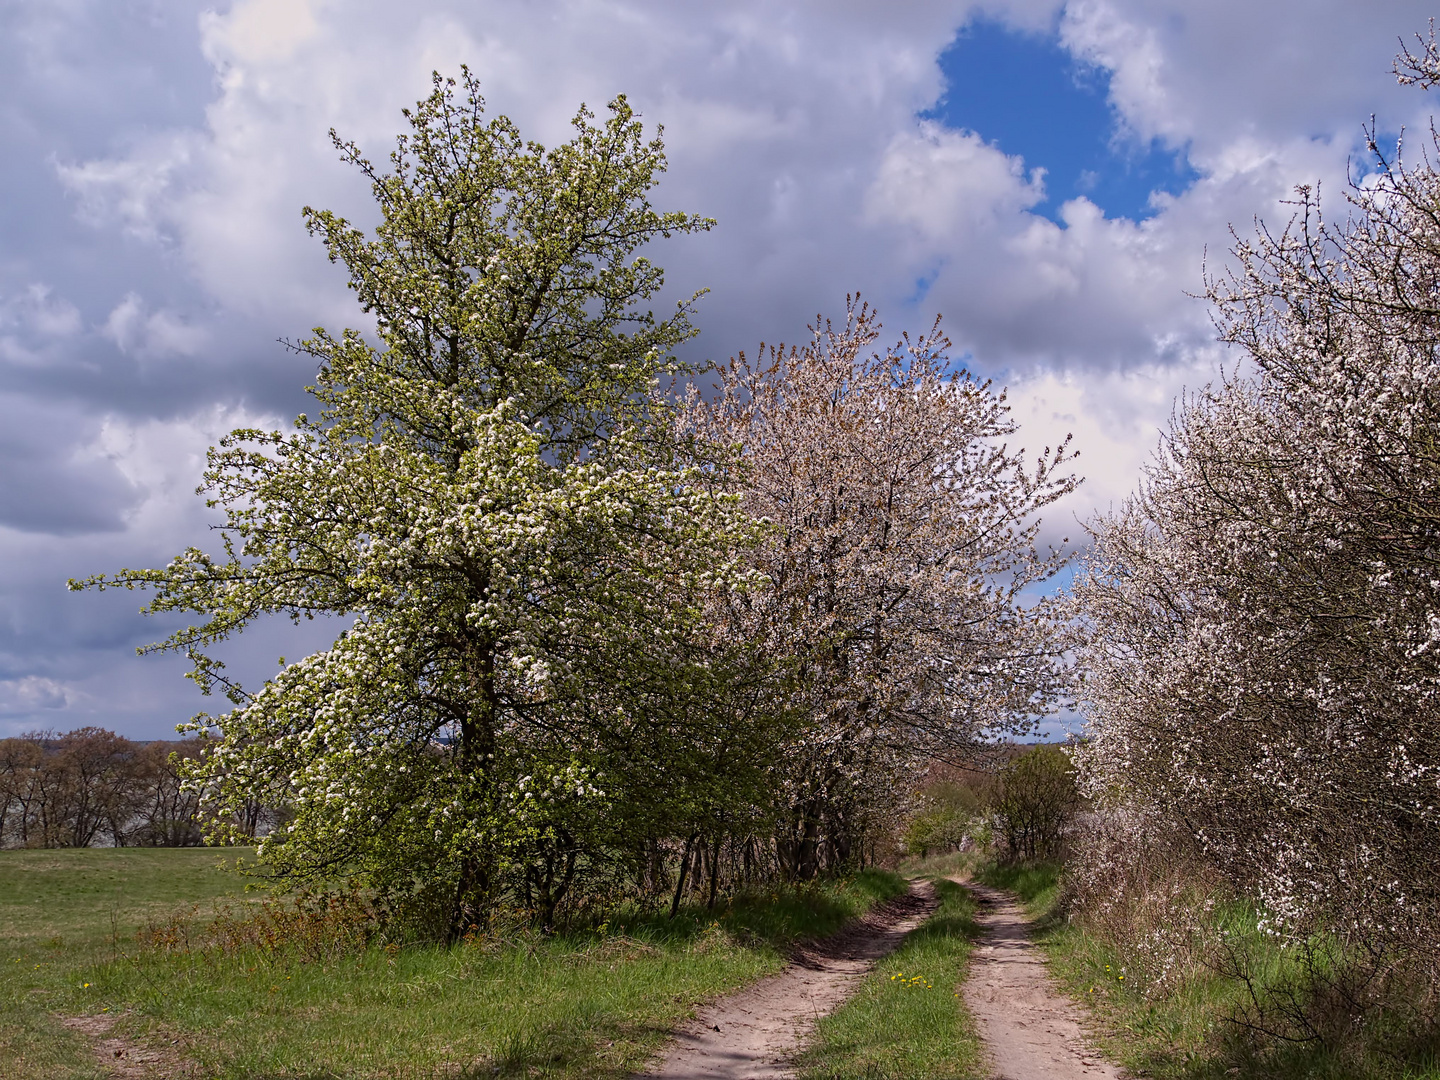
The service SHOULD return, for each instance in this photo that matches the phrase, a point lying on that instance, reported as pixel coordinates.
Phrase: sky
(1053, 178)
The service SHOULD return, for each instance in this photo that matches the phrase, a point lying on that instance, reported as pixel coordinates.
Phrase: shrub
(1038, 800)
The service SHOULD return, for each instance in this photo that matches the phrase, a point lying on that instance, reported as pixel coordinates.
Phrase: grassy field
(60, 913)
(594, 1003)
(76, 984)
(1185, 1035)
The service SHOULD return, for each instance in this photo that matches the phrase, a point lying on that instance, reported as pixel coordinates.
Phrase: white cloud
(1273, 69)
(258, 31)
(1097, 34)
(793, 124)
(33, 321)
(1116, 419)
(32, 693)
(152, 335)
(166, 457)
(79, 647)
(951, 184)
(39, 311)
(134, 191)
(125, 482)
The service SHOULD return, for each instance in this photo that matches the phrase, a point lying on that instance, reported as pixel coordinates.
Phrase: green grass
(585, 1003)
(1187, 1033)
(953, 864)
(1184, 1034)
(907, 1020)
(1037, 885)
(59, 914)
(73, 893)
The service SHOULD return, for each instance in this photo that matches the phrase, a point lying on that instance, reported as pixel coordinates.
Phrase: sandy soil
(1030, 1030)
(125, 1060)
(752, 1034)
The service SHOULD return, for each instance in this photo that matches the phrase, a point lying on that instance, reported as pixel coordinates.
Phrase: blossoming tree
(902, 545)
(1264, 650)
(490, 494)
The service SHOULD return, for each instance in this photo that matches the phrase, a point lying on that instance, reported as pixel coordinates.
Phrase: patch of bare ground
(753, 1034)
(125, 1059)
(1031, 1031)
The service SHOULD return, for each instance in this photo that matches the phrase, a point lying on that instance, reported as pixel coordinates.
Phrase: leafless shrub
(310, 927)
(1319, 991)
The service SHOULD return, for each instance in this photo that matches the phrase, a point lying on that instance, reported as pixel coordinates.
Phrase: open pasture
(77, 985)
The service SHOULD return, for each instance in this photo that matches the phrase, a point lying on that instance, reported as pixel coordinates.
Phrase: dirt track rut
(1030, 1030)
(753, 1034)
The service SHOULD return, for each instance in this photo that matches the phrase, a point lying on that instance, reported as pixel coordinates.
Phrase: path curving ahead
(1029, 1029)
(753, 1034)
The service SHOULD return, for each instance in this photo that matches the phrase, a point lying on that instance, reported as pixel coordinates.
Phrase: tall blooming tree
(902, 543)
(490, 495)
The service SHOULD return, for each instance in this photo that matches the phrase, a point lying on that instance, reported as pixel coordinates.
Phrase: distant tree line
(92, 787)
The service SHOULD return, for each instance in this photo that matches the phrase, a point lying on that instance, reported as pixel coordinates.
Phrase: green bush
(1037, 803)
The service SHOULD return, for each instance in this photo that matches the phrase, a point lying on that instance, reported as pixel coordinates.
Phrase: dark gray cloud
(55, 482)
(80, 80)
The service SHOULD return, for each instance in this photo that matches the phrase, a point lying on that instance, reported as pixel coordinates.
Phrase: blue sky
(158, 153)
(1023, 91)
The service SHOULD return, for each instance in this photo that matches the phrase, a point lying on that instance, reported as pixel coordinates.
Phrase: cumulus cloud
(1098, 34)
(261, 31)
(27, 695)
(33, 321)
(132, 191)
(1210, 74)
(949, 184)
(36, 310)
(84, 643)
(162, 153)
(1116, 419)
(795, 126)
(153, 334)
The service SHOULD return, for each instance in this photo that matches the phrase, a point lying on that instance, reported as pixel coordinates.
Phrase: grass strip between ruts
(907, 1021)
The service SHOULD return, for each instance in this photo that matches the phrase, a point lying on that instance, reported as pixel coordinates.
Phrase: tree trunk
(656, 869)
(476, 752)
(714, 872)
(807, 861)
(684, 867)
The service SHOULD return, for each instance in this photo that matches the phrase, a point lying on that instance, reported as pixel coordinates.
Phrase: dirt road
(1030, 1030)
(752, 1034)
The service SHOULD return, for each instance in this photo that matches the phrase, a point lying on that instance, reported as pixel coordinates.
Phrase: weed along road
(1030, 1031)
(753, 1034)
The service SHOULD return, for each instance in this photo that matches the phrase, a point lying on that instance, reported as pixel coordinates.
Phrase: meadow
(107, 950)
(163, 957)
